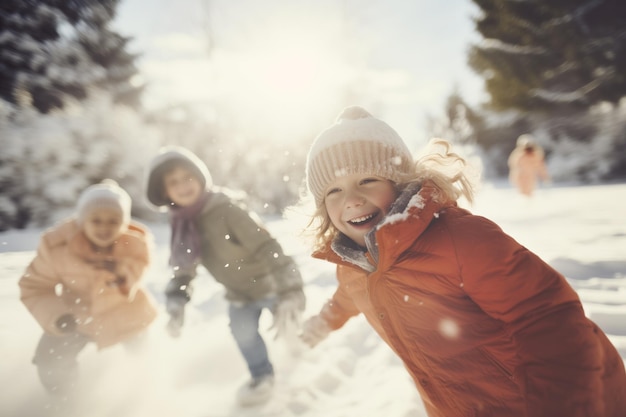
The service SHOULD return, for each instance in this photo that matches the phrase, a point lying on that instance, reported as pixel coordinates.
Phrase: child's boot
(256, 391)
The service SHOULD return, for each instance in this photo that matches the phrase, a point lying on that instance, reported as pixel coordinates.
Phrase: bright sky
(286, 66)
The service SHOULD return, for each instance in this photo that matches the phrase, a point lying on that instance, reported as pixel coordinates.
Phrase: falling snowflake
(449, 328)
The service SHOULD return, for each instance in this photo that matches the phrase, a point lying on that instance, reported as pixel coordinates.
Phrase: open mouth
(362, 220)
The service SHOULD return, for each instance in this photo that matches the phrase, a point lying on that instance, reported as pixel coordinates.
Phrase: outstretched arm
(333, 315)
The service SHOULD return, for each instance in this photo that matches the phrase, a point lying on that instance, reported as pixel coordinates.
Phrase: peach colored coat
(68, 276)
(483, 325)
(525, 167)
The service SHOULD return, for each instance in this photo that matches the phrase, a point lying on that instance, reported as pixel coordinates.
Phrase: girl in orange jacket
(484, 326)
(84, 284)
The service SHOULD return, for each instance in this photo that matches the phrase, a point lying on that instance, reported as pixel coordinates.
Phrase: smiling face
(356, 203)
(103, 225)
(181, 186)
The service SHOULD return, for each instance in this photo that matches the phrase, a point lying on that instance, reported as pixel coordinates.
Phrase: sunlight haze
(287, 67)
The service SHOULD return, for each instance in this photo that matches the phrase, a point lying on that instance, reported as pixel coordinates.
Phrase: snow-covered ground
(580, 230)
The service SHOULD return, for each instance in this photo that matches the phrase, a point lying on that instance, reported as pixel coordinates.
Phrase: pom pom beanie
(357, 143)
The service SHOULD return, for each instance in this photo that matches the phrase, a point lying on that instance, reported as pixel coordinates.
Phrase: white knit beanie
(106, 194)
(357, 143)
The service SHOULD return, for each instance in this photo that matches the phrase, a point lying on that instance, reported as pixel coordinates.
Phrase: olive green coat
(240, 253)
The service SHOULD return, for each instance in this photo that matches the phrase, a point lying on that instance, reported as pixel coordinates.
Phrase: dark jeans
(55, 358)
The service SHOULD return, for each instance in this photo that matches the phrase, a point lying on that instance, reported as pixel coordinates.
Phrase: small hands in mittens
(314, 330)
(120, 280)
(121, 283)
(288, 312)
(66, 323)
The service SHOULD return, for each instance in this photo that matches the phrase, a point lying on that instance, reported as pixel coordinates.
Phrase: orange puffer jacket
(67, 276)
(483, 325)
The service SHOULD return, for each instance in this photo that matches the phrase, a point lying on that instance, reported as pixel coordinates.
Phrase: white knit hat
(357, 143)
(106, 194)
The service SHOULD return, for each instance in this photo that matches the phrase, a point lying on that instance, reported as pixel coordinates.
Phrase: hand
(66, 323)
(119, 281)
(288, 312)
(314, 330)
(179, 287)
(122, 285)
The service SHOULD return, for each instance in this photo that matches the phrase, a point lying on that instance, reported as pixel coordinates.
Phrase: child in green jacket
(211, 229)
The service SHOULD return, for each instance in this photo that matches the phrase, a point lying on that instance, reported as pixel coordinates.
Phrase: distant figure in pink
(527, 165)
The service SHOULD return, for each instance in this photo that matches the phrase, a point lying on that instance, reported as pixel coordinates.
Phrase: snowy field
(580, 230)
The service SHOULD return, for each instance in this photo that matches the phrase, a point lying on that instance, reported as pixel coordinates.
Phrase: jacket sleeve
(340, 308)
(561, 359)
(252, 234)
(38, 289)
(134, 262)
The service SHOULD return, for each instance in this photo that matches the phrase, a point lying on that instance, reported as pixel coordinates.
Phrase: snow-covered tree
(554, 69)
(538, 54)
(47, 160)
(269, 172)
(585, 145)
(52, 50)
(108, 49)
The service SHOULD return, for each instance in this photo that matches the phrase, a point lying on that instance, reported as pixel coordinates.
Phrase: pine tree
(48, 159)
(26, 28)
(546, 55)
(55, 50)
(108, 50)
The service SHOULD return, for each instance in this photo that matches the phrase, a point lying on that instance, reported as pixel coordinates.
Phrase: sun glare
(289, 73)
(285, 74)
(282, 83)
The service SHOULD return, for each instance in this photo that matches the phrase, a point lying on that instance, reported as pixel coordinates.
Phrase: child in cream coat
(85, 284)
